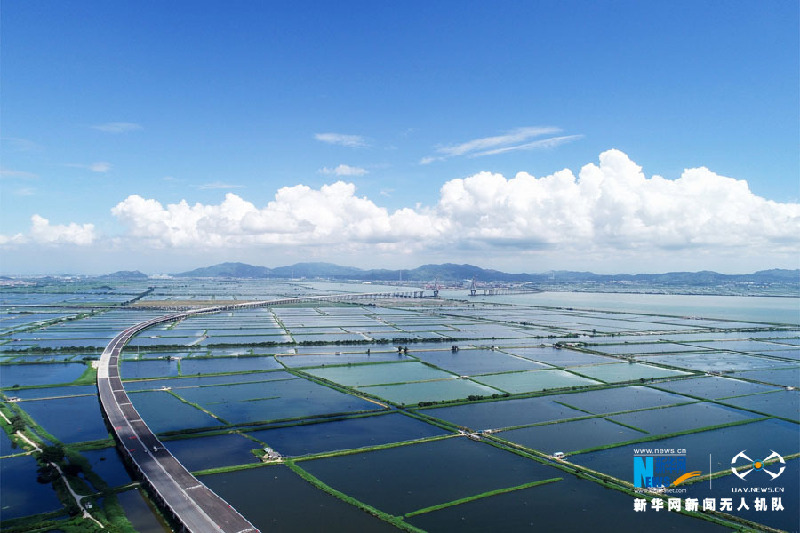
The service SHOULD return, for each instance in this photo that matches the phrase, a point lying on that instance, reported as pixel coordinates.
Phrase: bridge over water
(500, 291)
(187, 501)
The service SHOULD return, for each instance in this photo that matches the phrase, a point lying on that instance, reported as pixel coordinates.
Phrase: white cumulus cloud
(607, 208)
(614, 206)
(332, 214)
(42, 232)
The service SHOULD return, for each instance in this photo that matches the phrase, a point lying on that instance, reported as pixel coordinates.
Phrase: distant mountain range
(124, 275)
(449, 272)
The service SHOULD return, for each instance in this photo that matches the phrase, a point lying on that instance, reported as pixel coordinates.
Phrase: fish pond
(435, 414)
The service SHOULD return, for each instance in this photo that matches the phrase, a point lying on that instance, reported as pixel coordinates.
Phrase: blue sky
(104, 103)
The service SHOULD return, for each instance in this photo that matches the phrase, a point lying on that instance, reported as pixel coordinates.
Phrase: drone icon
(757, 465)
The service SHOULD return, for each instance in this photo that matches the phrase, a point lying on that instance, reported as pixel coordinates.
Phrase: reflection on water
(758, 309)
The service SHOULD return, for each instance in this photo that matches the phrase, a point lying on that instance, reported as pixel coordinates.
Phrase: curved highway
(185, 499)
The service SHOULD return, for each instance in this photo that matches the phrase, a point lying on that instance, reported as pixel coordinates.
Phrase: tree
(46, 474)
(53, 454)
(17, 423)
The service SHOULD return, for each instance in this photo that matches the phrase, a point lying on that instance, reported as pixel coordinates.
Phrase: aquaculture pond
(148, 369)
(341, 357)
(508, 413)
(53, 392)
(650, 348)
(196, 381)
(791, 354)
(473, 362)
(50, 358)
(748, 346)
(534, 380)
(25, 496)
(618, 372)
(722, 444)
(682, 417)
(107, 463)
(435, 438)
(73, 419)
(274, 498)
(26, 375)
(567, 505)
(787, 377)
(164, 412)
(716, 361)
(559, 357)
(203, 453)
(227, 364)
(782, 403)
(7, 446)
(141, 513)
(711, 387)
(273, 400)
(570, 436)
(617, 399)
(345, 434)
(784, 487)
(378, 374)
(407, 478)
(430, 391)
(756, 309)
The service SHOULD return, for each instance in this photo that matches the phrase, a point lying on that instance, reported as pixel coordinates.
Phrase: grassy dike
(199, 407)
(396, 521)
(481, 496)
(613, 483)
(90, 485)
(666, 436)
(322, 455)
(112, 515)
(89, 376)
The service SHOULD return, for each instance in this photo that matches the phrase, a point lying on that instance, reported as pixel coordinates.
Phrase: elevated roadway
(182, 496)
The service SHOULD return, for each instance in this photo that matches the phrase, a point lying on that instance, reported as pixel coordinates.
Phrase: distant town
(773, 282)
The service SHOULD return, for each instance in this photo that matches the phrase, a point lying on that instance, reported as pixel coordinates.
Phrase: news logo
(740, 461)
(660, 468)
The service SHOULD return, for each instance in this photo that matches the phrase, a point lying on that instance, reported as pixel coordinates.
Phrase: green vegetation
(481, 496)
(225, 469)
(352, 451)
(666, 436)
(89, 376)
(572, 336)
(397, 521)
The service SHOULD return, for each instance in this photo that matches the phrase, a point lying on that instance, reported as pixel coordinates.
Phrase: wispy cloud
(517, 139)
(550, 142)
(7, 173)
(219, 185)
(343, 170)
(20, 145)
(25, 191)
(118, 127)
(341, 139)
(98, 166)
